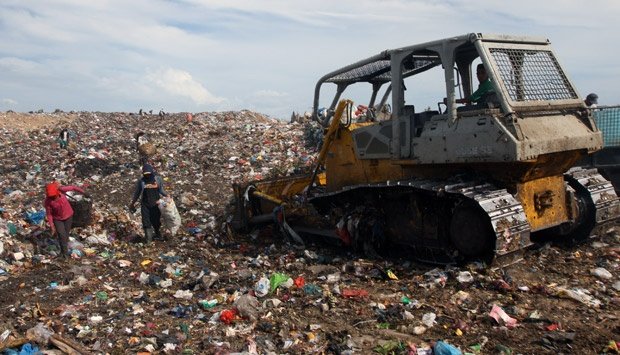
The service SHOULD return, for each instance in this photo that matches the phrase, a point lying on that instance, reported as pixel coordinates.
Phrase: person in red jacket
(59, 213)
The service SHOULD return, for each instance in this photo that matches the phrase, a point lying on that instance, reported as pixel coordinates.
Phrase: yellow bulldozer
(450, 183)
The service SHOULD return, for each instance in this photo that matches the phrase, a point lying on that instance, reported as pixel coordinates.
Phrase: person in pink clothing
(59, 213)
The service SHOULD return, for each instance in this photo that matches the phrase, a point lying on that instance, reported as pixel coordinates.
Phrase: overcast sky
(265, 56)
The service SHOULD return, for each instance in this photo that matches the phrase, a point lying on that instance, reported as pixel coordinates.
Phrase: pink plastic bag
(501, 317)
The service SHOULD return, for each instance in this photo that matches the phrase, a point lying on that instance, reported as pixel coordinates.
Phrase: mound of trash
(206, 291)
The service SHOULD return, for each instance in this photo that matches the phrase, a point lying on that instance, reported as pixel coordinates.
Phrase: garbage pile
(207, 291)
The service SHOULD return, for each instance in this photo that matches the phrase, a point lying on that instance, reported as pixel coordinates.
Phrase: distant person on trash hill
(63, 138)
(151, 187)
(59, 213)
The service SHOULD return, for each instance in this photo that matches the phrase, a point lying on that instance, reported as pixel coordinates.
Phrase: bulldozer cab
(416, 85)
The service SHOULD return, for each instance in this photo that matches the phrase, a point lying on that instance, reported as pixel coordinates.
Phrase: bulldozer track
(606, 202)
(505, 214)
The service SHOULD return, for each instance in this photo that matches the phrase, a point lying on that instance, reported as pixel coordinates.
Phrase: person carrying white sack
(151, 187)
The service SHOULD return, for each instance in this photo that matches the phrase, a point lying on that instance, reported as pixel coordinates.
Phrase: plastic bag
(276, 280)
(170, 214)
(443, 348)
(501, 317)
(39, 334)
(262, 287)
(248, 307)
(34, 218)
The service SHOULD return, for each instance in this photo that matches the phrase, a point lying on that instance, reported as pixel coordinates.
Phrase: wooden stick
(68, 346)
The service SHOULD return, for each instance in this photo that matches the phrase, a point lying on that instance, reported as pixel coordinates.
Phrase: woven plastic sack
(147, 149)
(82, 212)
(170, 215)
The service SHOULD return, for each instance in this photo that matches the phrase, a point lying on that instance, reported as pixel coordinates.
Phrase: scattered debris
(205, 291)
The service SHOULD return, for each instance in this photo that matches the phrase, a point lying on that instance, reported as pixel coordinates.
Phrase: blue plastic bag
(35, 218)
(27, 349)
(443, 348)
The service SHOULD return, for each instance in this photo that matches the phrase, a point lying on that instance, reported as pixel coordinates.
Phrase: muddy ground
(111, 298)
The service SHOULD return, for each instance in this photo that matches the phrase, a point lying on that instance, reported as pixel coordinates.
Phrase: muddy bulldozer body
(449, 183)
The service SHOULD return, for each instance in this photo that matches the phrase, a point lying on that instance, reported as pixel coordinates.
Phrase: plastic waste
(312, 290)
(465, 277)
(170, 215)
(248, 307)
(419, 330)
(209, 279)
(12, 228)
(27, 349)
(184, 294)
(459, 297)
(97, 239)
(36, 217)
(501, 317)
(612, 347)
(276, 280)
(503, 350)
(389, 347)
(299, 282)
(95, 319)
(390, 274)
(601, 273)
(435, 277)
(73, 244)
(443, 348)
(181, 311)
(228, 315)
(39, 334)
(166, 283)
(261, 288)
(207, 304)
(580, 295)
(429, 319)
(333, 278)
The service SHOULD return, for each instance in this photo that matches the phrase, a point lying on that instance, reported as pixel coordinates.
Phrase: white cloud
(180, 83)
(18, 65)
(9, 102)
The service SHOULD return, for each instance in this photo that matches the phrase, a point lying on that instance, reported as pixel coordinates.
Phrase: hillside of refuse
(208, 291)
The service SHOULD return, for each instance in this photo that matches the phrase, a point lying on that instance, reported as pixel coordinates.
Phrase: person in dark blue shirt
(151, 187)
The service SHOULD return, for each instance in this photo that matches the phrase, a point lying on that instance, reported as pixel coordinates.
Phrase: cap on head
(51, 189)
(147, 169)
(592, 98)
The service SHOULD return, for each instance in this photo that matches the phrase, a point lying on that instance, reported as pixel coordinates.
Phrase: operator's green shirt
(484, 87)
